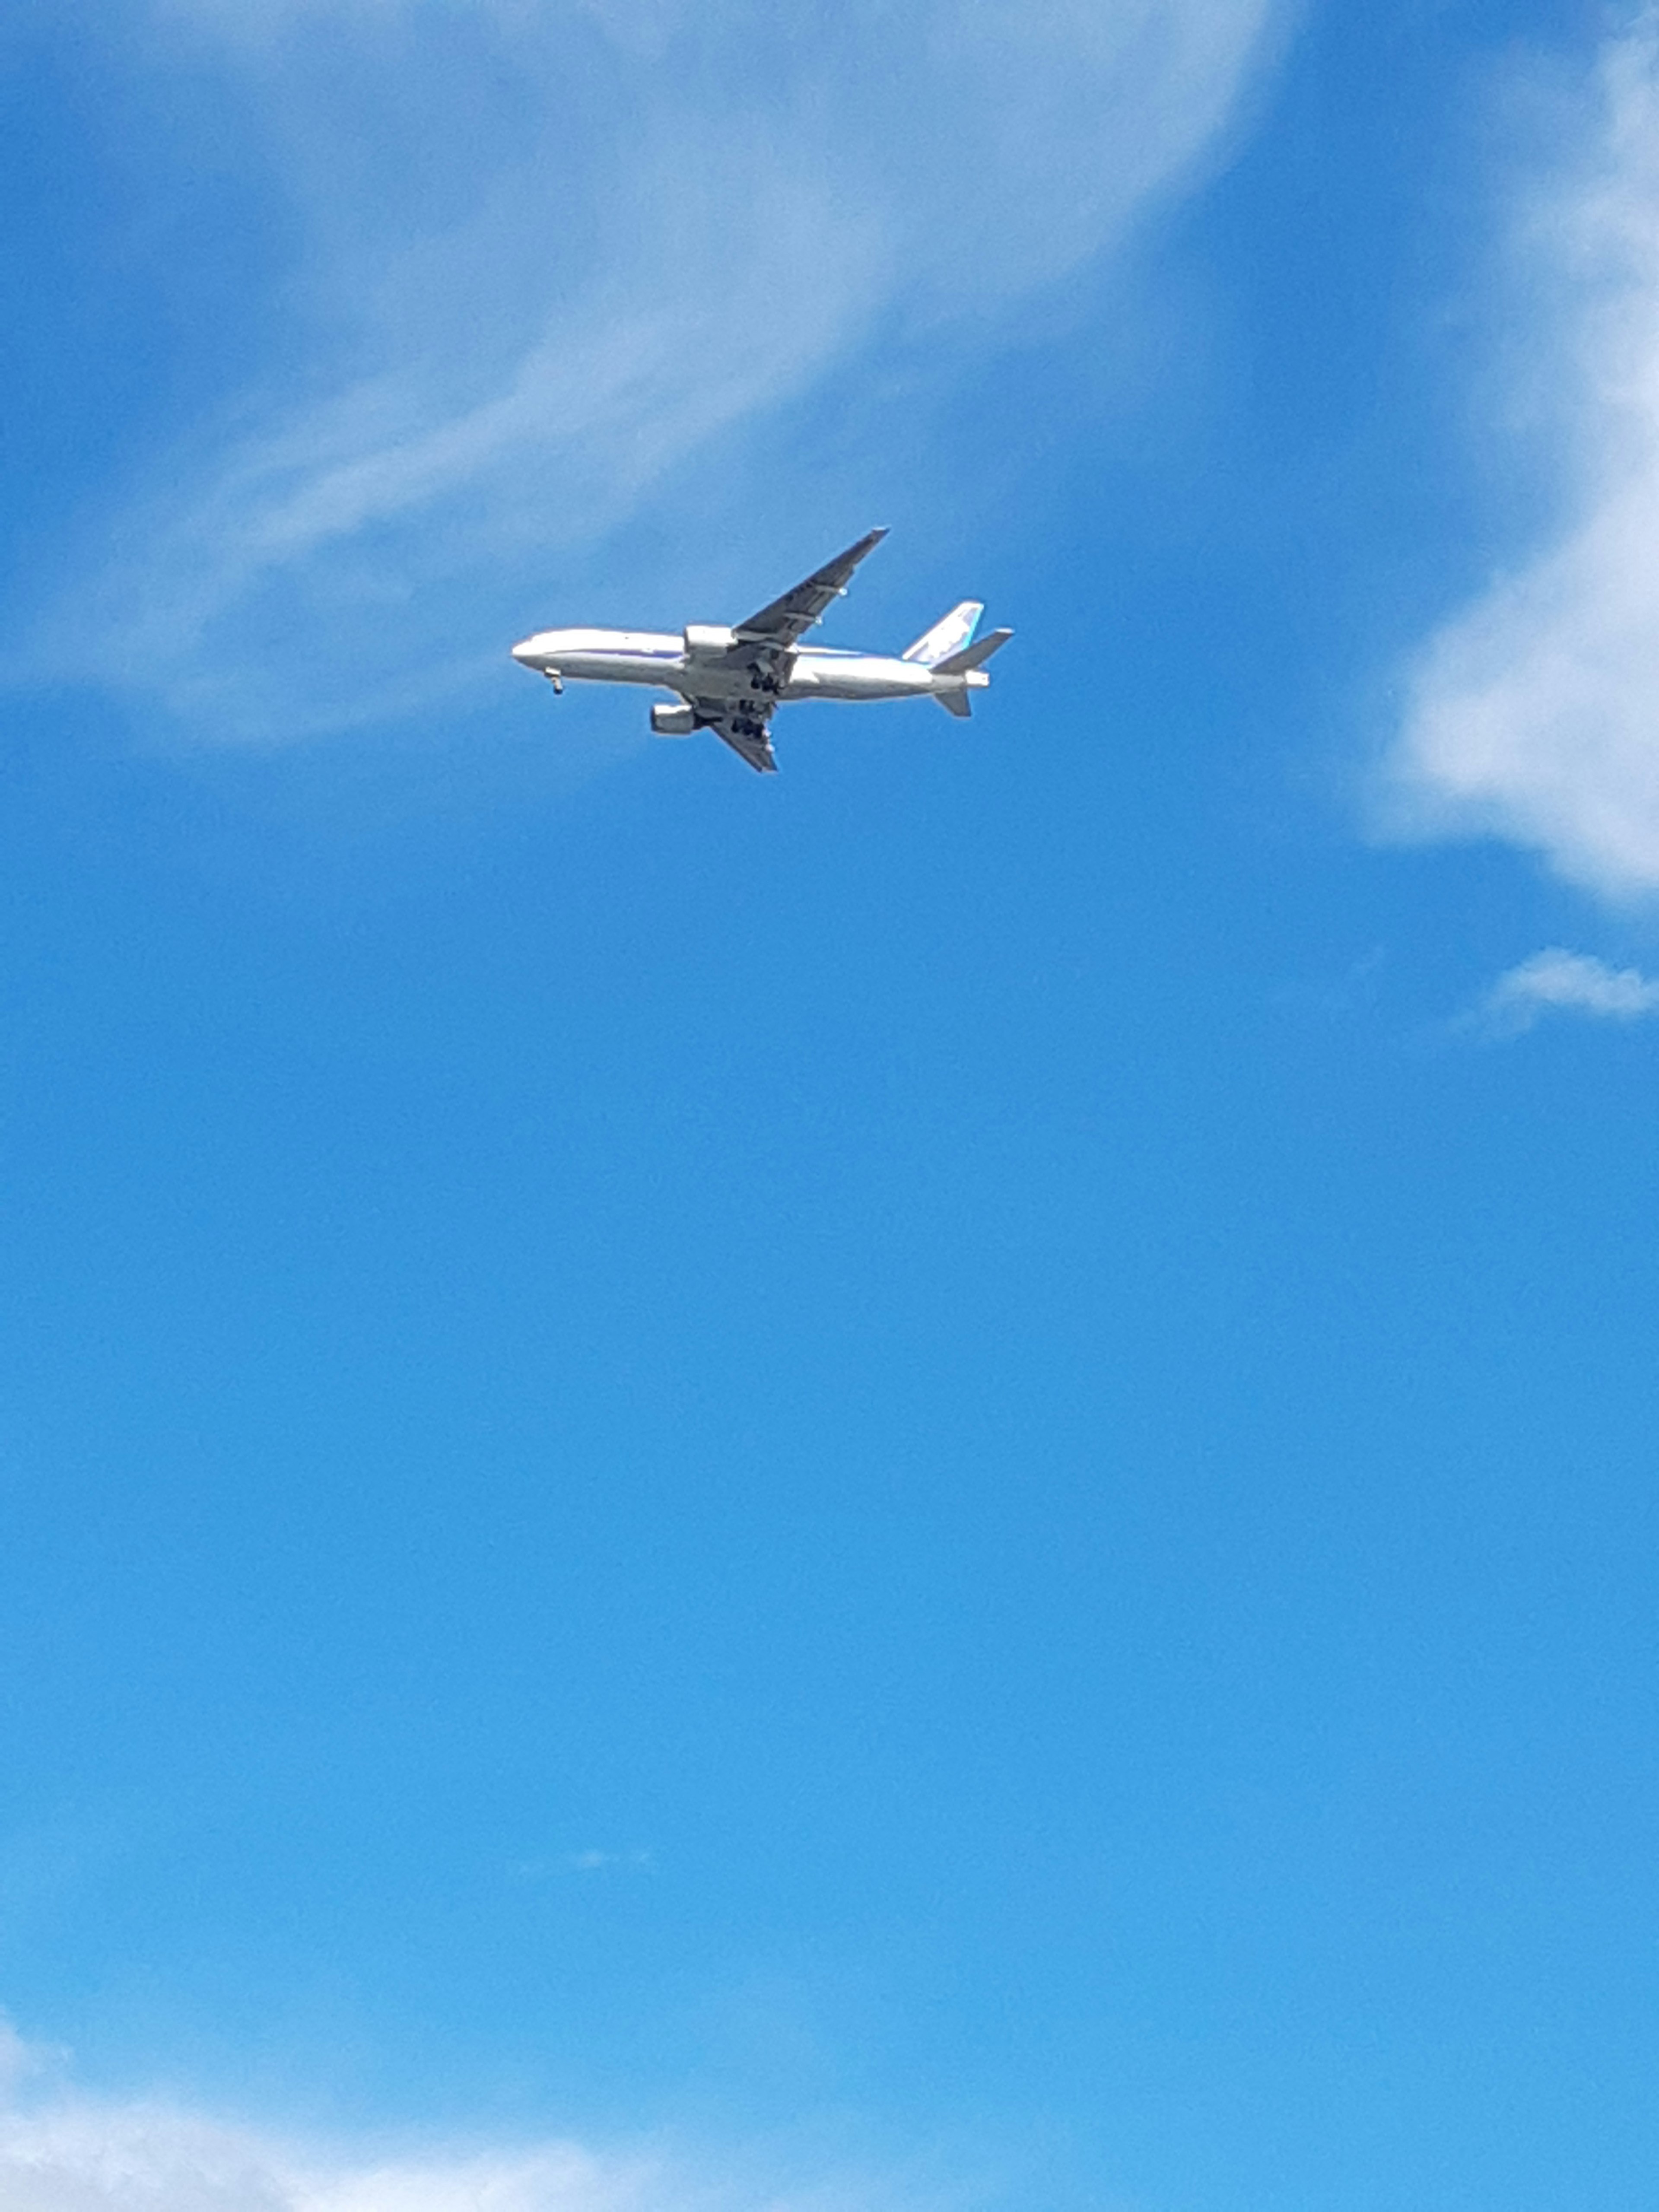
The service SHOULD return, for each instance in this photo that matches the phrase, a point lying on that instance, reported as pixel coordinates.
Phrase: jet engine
(708, 640)
(673, 721)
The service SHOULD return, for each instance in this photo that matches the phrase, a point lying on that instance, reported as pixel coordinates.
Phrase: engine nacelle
(708, 640)
(673, 721)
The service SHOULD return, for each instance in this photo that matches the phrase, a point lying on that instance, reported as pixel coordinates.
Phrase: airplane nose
(524, 651)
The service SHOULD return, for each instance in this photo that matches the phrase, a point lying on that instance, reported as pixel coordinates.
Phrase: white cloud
(92, 2158)
(67, 2152)
(1534, 714)
(550, 248)
(1559, 982)
(78, 2154)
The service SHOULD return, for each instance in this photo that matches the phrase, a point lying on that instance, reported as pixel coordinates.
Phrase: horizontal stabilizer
(973, 656)
(955, 702)
(949, 634)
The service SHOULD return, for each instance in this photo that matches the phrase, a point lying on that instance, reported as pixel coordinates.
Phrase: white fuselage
(633, 656)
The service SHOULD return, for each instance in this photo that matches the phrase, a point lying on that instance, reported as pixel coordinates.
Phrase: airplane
(733, 680)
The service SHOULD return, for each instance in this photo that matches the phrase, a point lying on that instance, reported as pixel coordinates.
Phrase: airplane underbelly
(856, 679)
(618, 668)
(704, 680)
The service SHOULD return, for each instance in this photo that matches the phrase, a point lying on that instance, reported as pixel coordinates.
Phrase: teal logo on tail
(947, 635)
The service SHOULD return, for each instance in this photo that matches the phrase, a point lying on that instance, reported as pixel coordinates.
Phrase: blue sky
(923, 1484)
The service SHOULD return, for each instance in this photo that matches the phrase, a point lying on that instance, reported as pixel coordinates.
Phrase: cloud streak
(550, 248)
(1534, 714)
(140, 2158)
(1561, 983)
(63, 2151)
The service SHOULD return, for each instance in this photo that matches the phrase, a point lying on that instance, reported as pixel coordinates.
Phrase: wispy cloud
(593, 1860)
(1559, 982)
(151, 2158)
(63, 2151)
(549, 248)
(1535, 714)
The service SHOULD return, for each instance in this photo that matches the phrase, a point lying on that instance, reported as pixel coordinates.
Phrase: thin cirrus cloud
(547, 250)
(1533, 714)
(1557, 981)
(64, 2151)
(144, 2158)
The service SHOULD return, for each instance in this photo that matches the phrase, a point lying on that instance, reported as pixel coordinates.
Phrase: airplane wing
(795, 614)
(750, 741)
(744, 730)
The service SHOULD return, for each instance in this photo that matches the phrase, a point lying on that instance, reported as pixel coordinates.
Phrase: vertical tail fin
(948, 636)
